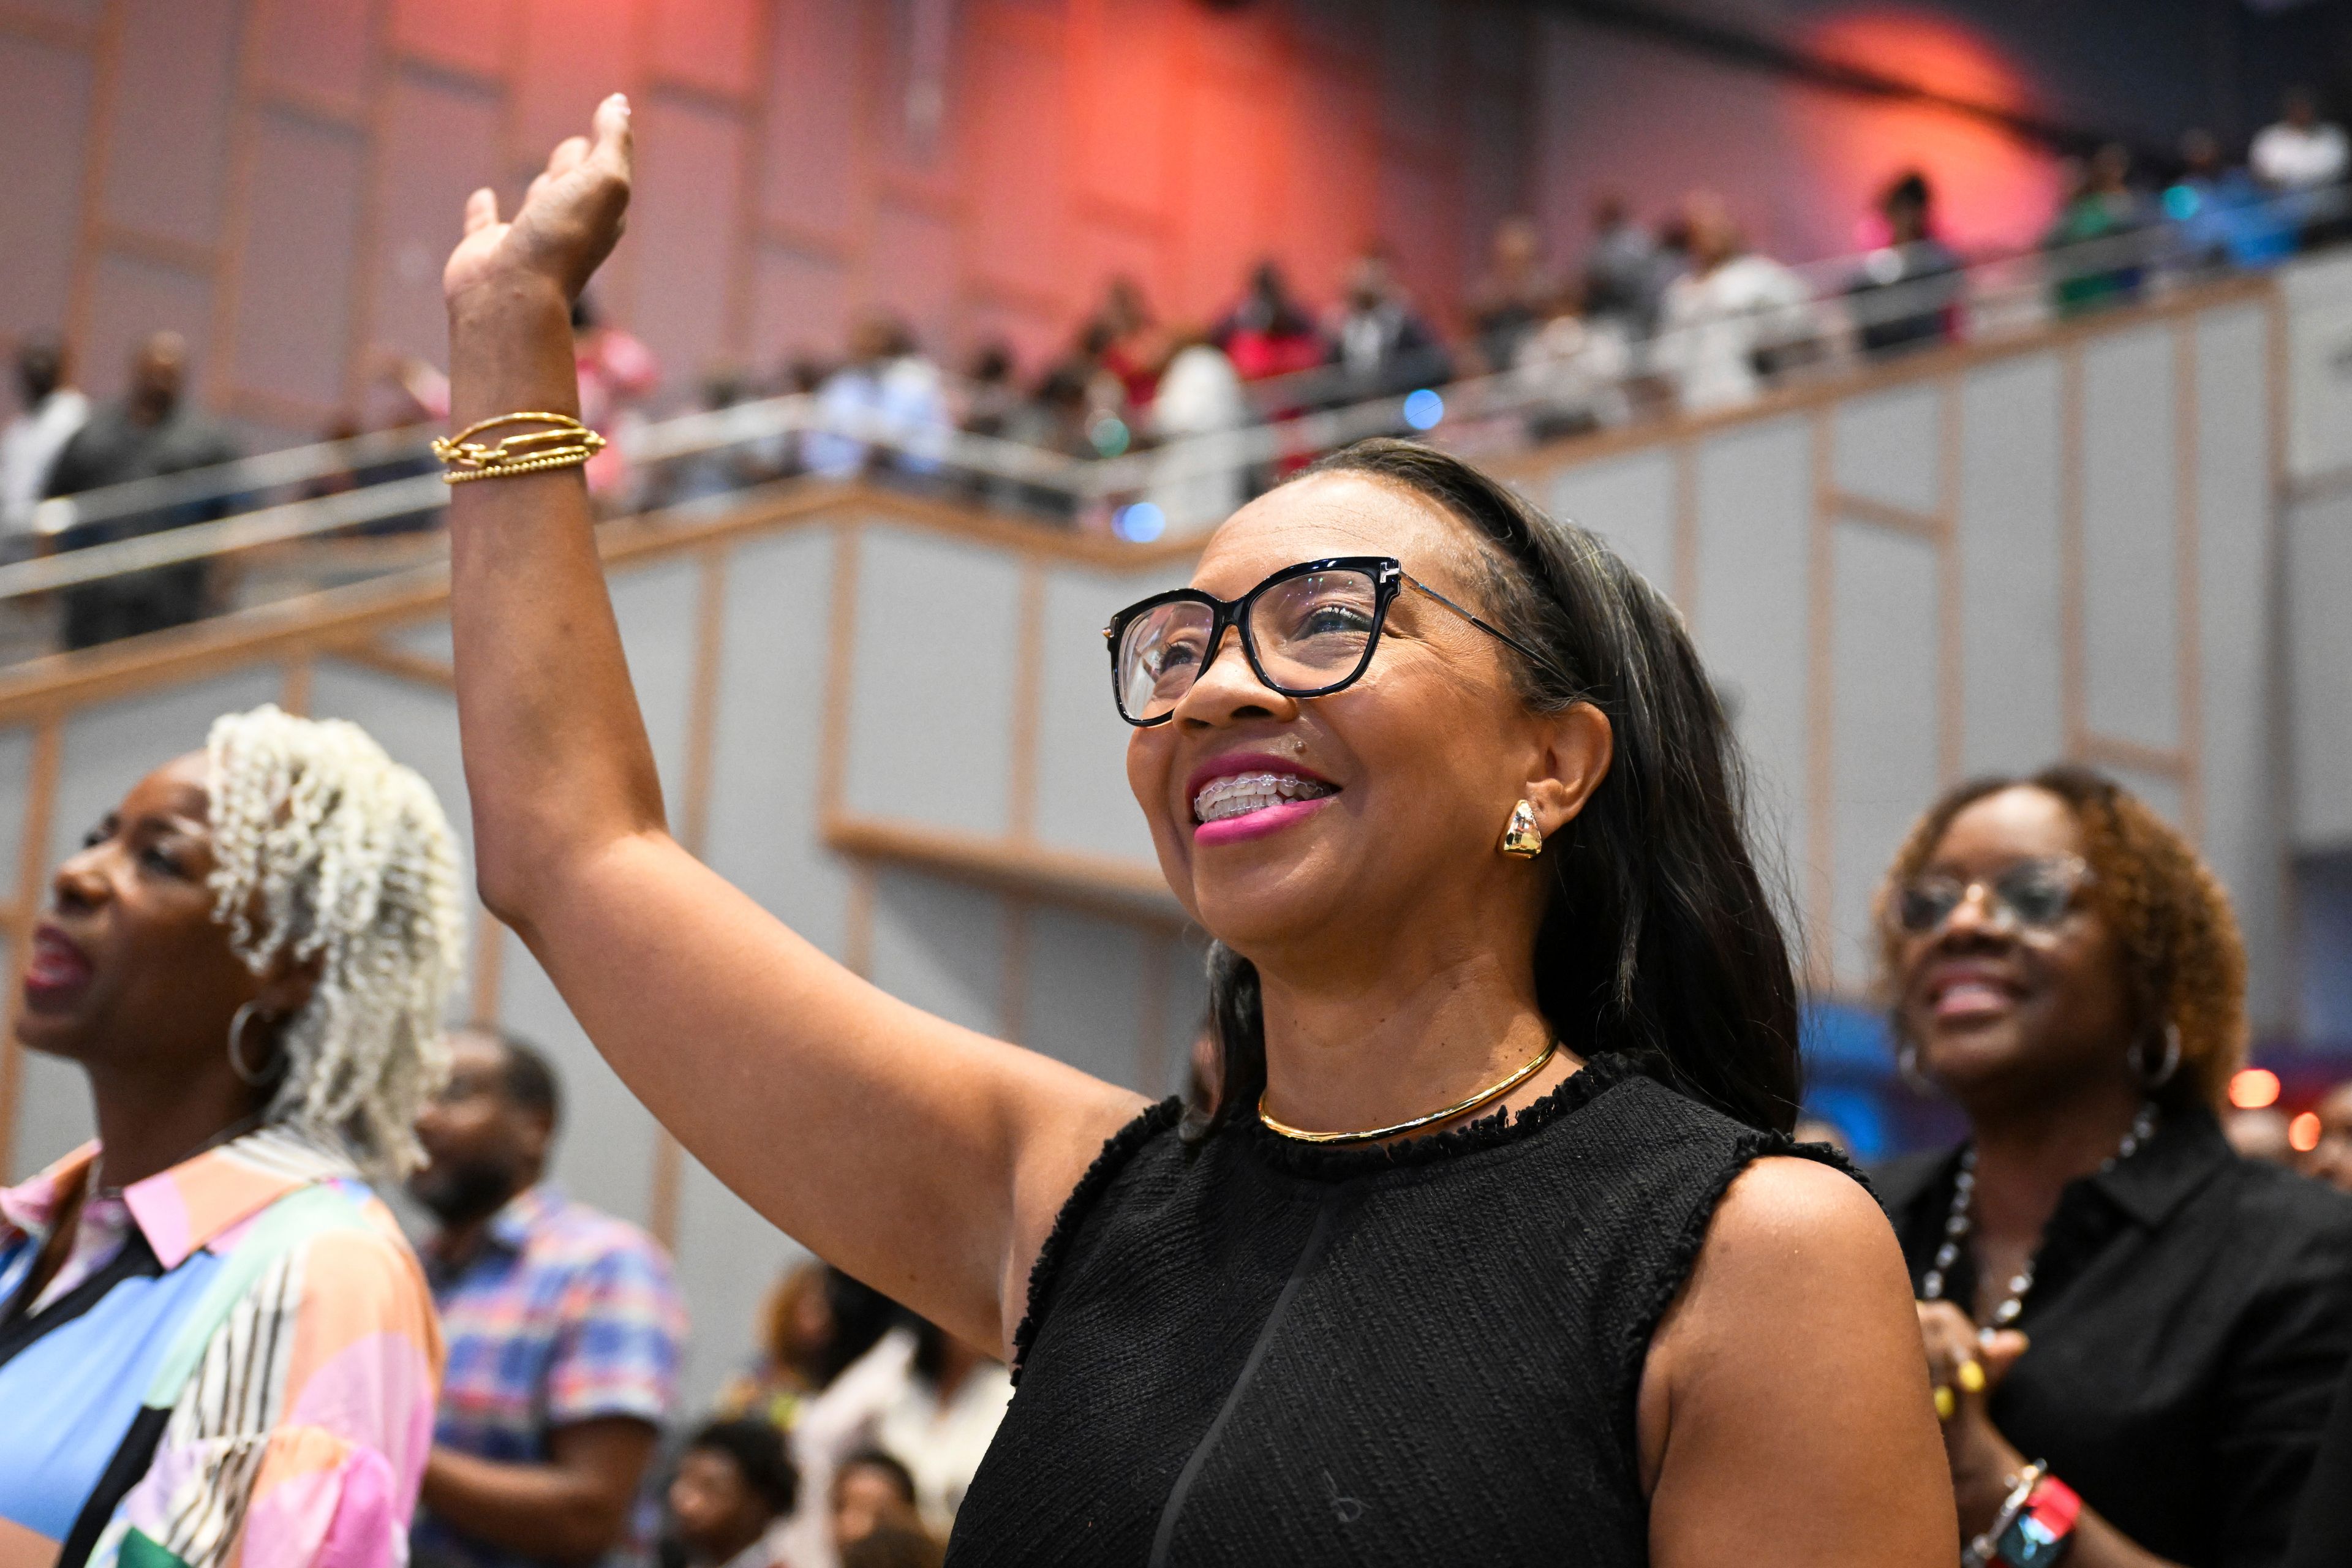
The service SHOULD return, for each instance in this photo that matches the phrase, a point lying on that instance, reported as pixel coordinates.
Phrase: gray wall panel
(1888, 445)
(15, 760)
(1183, 1008)
(2011, 714)
(931, 703)
(1883, 702)
(2318, 544)
(728, 1258)
(604, 1153)
(1081, 998)
(2130, 612)
(1630, 503)
(764, 771)
(2236, 565)
(1755, 510)
(940, 946)
(1083, 801)
(658, 607)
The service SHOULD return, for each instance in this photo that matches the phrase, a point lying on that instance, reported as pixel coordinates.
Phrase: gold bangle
(563, 443)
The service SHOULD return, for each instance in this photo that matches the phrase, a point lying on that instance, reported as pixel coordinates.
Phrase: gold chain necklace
(1492, 1092)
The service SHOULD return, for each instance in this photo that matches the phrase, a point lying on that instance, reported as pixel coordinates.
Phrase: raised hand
(569, 221)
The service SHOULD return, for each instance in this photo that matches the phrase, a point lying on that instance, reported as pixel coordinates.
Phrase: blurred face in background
(481, 1148)
(867, 1498)
(1999, 1011)
(715, 1511)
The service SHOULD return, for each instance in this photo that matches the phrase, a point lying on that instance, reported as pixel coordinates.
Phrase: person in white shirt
(51, 411)
(1573, 370)
(1732, 311)
(2301, 152)
(1200, 476)
(921, 1396)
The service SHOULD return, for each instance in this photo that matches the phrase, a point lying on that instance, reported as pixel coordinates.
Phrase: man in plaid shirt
(564, 1324)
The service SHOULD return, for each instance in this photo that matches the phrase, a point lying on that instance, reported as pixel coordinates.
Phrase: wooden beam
(1123, 888)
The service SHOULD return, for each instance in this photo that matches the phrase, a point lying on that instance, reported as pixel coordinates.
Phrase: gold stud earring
(1522, 839)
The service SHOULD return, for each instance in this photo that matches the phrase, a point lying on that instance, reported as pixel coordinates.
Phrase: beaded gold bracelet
(566, 443)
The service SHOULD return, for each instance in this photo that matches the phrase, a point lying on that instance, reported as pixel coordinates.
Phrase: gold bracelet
(566, 443)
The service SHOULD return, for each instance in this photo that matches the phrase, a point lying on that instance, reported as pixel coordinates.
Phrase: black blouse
(1255, 1351)
(2191, 1315)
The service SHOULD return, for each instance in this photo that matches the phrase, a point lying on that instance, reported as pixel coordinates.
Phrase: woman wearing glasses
(1452, 1273)
(2134, 1332)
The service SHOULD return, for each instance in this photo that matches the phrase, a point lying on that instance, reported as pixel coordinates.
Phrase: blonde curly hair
(329, 853)
(2186, 962)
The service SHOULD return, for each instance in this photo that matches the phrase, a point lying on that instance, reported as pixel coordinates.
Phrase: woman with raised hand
(215, 1346)
(2134, 1332)
(1493, 1249)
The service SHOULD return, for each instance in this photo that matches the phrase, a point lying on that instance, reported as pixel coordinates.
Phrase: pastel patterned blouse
(300, 1437)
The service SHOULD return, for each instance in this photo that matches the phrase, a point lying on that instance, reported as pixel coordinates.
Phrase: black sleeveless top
(1265, 1352)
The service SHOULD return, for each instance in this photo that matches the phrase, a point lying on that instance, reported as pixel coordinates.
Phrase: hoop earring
(1906, 1067)
(1522, 839)
(2172, 1064)
(257, 1078)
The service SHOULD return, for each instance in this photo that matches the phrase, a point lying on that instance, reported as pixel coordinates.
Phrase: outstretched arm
(923, 1158)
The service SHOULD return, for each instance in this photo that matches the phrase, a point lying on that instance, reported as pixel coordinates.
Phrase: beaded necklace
(1959, 1222)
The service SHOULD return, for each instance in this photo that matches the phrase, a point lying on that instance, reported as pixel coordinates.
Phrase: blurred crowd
(847, 1442)
(1675, 312)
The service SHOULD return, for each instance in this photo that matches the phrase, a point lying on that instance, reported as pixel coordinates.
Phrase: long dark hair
(1661, 935)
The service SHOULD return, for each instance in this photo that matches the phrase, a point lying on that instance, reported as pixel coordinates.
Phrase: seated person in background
(871, 1491)
(564, 1324)
(151, 433)
(733, 1482)
(921, 1394)
(2104, 1286)
(797, 1331)
(2330, 1159)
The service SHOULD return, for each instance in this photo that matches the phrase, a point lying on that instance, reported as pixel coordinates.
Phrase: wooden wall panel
(562, 71)
(935, 658)
(131, 296)
(2131, 583)
(811, 163)
(766, 773)
(800, 304)
(476, 36)
(1755, 506)
(1884, 728)
(914, 267)
(2319, 546)
(1224, 212)
(440, 143)
(291, 316)
(1630, 503)
(167, 149)
(45, 105)
(1082, 992)
(1889, 446)
(688, 236)
(941, 946)
(2013, 707)
(1083, 800)
(318, 52)
(1123, 71)
(710, 45)
(2236, 559)
(1021, 124)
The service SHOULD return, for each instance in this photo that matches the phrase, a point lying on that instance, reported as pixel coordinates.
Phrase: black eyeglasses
(2032, 896)
(1308, 631)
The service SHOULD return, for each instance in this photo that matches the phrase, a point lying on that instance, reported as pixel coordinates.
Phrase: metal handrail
(1975, 289)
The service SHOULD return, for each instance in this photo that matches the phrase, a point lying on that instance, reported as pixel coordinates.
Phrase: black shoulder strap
(22, 1327)
(122, 1472)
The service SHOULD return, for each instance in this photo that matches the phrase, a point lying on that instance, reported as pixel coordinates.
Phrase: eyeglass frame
(1389, 578)
(2077, 868)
